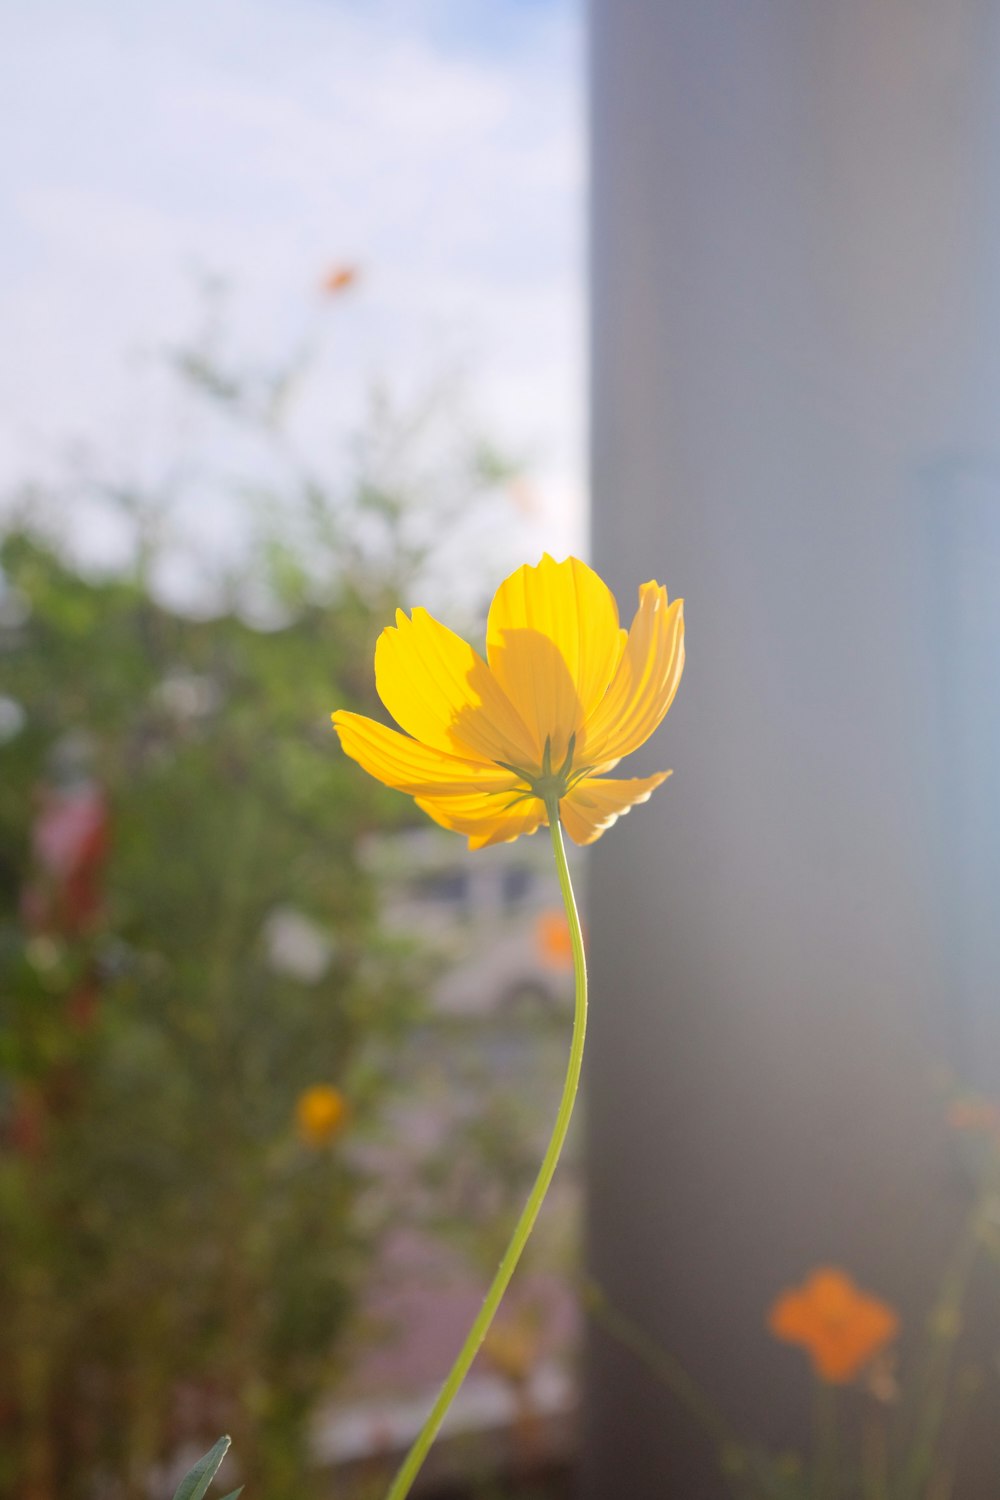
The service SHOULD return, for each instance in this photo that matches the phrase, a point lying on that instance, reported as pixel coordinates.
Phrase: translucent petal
(486, 818)
(644, 684)
(553, 643)
(595, 803)
(442, 692)
(411, 767)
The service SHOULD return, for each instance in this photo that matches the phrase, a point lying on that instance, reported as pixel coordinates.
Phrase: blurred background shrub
(201, 1022)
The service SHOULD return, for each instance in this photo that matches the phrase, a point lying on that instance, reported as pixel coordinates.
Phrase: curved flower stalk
(524, 739)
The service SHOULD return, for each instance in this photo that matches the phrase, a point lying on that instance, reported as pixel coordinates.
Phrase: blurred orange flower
(524, 496)
(339, 279)
(841, 1327)
(977, 1115)
(321, 1112)
(554, 942)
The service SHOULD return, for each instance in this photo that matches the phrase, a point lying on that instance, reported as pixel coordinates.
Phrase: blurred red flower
(70, 840)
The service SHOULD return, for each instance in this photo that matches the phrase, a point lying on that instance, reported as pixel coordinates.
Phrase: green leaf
(195, 1483)
(233, 1494)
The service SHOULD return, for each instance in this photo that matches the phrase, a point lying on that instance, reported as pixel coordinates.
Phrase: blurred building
(492, 919)
(796, 381)
(482, 1076)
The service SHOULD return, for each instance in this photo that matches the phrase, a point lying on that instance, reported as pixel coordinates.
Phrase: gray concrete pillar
(796, 424)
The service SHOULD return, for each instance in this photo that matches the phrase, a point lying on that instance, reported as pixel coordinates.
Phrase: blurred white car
(494, 917)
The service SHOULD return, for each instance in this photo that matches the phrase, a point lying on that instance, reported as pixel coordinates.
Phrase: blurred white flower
(296, 946)
(12, 719)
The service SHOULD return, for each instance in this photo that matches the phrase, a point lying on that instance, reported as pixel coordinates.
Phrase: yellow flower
(562, 696)
(321, 1112)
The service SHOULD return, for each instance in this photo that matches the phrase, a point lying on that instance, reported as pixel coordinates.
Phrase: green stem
(874, 1451)
(425, 1437)
(736, 1461)
(825, 1482)
(667, 1369)
(946, 1326)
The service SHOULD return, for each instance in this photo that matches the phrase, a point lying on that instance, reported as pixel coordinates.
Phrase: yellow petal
(410, 767)
(595, 803)
(442, 692)
(486, 818)
(644, 685)
(553, 643)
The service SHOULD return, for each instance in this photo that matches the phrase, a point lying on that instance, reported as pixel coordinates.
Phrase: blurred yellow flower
(514, 1347)
(841, 1327)
(562, 696)
(321, 1112)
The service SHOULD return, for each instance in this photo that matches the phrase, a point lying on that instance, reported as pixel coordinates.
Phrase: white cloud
(266, 141)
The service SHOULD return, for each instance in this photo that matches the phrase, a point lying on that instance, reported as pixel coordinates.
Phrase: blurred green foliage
(188, 940)
(169, 1243)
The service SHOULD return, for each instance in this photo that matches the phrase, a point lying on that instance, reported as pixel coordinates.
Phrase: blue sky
(436, 143)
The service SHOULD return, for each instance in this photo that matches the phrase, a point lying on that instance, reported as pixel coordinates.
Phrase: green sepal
(196, 1482)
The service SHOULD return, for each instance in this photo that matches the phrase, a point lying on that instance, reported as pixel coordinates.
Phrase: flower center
(548, 784)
